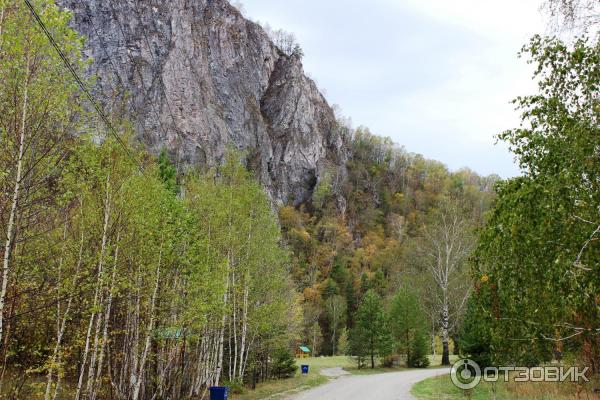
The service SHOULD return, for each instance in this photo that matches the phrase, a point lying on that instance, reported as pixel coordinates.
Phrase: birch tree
(336, 311)
(36, 108)
(444, 250)
(244, 234)
(540, 244)
(116, 280)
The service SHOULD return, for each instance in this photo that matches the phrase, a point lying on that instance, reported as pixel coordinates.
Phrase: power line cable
(81, 85)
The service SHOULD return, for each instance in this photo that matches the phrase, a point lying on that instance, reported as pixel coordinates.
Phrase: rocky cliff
(195, 76)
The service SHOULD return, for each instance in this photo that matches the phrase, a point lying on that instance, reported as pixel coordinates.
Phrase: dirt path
(386, 386)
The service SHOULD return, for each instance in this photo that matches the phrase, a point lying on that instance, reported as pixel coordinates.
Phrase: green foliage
(343, 346)
(235, 221)
(168, 172)
(284, 364)
(38, 125)
(335, 307)
(297, 51)
(539, 247)
(475, 340)
(419, 354)
(370, 337)
(235, 386)
(322, 194)
(331, 289)
(407, 321)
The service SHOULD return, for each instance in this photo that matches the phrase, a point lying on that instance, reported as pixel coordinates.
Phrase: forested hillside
(395, 206)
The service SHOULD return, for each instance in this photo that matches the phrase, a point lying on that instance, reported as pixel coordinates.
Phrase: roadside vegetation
(441, 388)
(298, 381)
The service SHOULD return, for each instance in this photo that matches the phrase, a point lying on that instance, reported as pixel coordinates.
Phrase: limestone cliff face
(196, 76)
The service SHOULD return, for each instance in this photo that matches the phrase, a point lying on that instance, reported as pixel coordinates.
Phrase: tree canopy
(538, 252)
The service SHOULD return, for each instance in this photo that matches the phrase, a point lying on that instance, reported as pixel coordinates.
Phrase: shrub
(419, 350)
(235, 386)
(284, 364)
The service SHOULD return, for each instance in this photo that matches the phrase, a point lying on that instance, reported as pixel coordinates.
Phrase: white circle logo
(465, 374)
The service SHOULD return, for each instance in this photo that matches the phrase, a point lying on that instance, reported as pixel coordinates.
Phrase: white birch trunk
(445, 334)
(61, 326)
(219, 369)
(106, 323)
(234, 305)
(10, 229)
(97, 291)
(244, 334)
(2, 11)
(138, 384)
(135, 353)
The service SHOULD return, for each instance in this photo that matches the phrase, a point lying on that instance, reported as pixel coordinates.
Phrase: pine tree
(370, 337)
(475, 331)
(419, 350)
(407, 320)
(168, 172)
(284, 364)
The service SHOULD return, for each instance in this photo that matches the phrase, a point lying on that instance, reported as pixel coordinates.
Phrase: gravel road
(386, 386)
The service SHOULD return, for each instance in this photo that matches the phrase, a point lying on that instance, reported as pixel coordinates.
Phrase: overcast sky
(436, 76)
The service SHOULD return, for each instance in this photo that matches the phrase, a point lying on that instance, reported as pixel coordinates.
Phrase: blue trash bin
(218, 392)
(304, 369)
